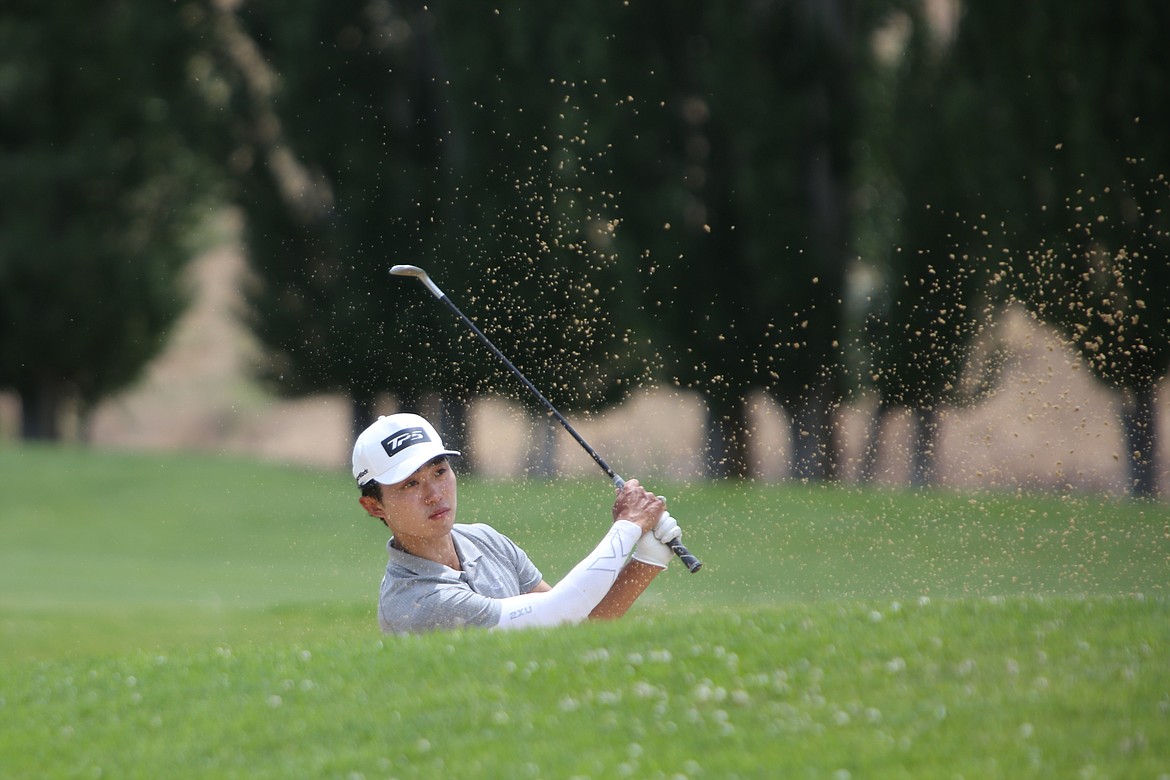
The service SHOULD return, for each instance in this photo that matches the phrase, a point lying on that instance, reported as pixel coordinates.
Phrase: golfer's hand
(654, 546)
(636, 504)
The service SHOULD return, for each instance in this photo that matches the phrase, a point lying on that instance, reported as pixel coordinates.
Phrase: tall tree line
(619, 192)
(684, 172)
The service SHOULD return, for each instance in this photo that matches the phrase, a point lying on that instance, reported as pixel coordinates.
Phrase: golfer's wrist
(641, 523)
(622, 522)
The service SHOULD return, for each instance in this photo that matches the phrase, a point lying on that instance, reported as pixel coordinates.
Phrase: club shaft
(692, 563)
(535, 391)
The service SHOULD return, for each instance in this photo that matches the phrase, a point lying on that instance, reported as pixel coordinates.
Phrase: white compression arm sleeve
(573, 598)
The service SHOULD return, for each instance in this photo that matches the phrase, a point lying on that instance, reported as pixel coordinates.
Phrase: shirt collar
(465, 547)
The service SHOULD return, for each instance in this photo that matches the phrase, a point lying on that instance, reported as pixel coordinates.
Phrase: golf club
(692, 563)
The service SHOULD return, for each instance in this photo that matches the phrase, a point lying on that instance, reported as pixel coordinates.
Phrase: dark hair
(372, 489)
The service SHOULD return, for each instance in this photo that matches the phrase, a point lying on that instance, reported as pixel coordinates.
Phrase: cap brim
(416, 461)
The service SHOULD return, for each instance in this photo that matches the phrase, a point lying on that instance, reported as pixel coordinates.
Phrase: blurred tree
(103, 116)
(533, 118)
(706, 148)
(1028, 158)
(741, 220)
(798, 165)
(1087, 225)
(341, 169)
(928, 308)
(458, 141)
(682, 221)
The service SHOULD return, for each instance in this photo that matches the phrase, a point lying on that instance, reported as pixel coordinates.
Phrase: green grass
(176, 616)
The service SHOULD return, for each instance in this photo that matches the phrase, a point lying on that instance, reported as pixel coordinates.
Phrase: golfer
(442, 574)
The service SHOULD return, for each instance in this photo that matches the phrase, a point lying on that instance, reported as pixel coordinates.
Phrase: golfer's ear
(373, 507)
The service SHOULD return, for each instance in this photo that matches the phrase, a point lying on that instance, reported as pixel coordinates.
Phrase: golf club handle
(692, 563)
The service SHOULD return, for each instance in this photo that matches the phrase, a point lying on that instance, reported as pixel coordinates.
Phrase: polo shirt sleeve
(526, 572)
(504, 552)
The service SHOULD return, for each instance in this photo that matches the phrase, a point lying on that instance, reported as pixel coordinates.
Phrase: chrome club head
(420, 274)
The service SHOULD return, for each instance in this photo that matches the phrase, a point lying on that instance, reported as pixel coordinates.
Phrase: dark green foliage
(1096, 232)
(743, 239)
(101, 184)
(341, 179)
(616, 192)
(558, 169)
(448, 141)
(536, 116)
(1028, 159)
(730, 152)
(1084, 203)
(926, 309)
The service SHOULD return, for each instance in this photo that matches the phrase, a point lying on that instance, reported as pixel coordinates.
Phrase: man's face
(422, 506)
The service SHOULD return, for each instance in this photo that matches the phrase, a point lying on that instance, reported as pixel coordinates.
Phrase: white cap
(395, 447)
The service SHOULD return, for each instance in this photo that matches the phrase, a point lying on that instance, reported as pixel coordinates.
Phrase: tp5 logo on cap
(404, 438)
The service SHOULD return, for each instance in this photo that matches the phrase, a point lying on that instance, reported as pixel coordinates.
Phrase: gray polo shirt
(421, 595)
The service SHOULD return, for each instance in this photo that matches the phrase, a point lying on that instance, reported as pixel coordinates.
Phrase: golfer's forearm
(630, 584)
(573, 598)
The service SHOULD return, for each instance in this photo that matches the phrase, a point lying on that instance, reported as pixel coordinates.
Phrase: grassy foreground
(199, 617)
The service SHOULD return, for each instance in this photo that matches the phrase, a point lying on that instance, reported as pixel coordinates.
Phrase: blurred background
(906, 242)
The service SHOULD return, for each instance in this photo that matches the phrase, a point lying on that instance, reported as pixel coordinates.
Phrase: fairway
(187, 616)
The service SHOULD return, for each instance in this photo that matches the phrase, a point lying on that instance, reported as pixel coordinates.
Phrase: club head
(408, 270)
(417, 273)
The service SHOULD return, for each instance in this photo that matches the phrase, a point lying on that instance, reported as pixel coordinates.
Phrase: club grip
(692, 563)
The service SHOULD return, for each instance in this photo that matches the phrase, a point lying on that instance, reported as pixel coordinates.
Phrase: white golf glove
(653, 548)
